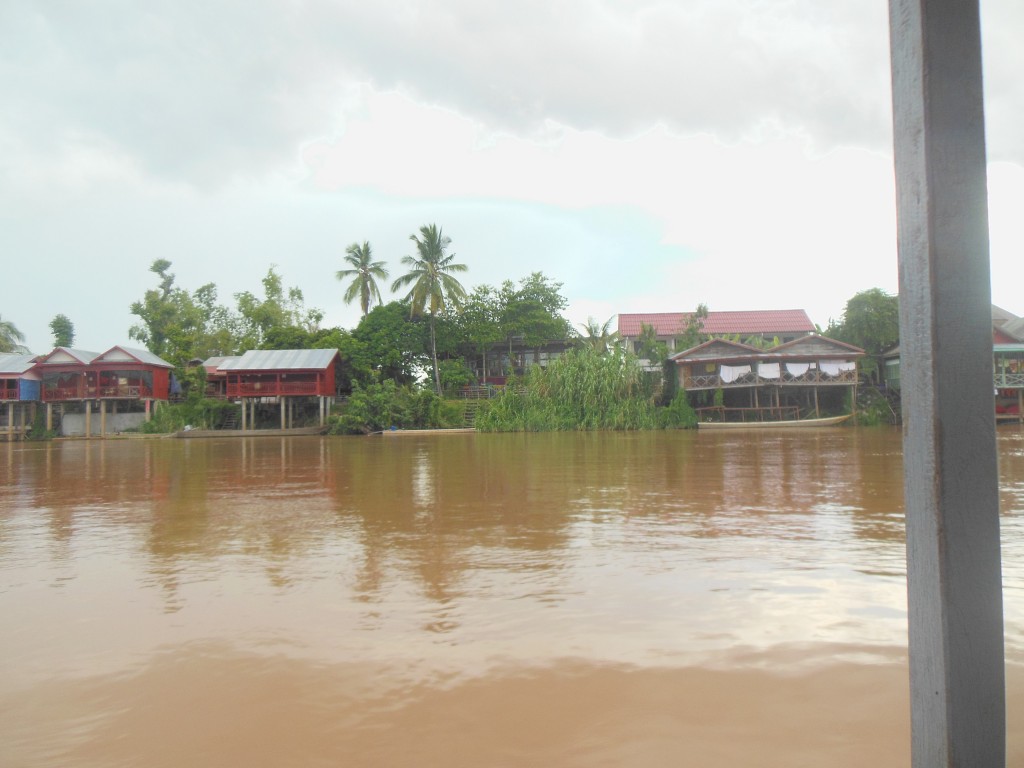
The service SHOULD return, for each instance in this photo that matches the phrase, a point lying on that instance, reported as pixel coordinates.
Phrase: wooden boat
(787, 424)
(293, 432)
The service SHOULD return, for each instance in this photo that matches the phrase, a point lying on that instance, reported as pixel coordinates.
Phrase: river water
(606, 599)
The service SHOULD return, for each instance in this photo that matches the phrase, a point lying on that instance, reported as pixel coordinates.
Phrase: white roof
(280, 360)
(16, 363)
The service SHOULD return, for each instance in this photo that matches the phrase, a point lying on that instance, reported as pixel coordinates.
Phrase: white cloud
(649, 155)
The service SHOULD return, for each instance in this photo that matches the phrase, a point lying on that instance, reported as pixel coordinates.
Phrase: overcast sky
(648, 155)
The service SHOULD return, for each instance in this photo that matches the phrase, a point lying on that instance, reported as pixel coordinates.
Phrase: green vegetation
(433, 287)
(63, 331)
(364, 274)
(385, 405)
(583, 390)
(11, 338)
(198, 413)
(871, 321)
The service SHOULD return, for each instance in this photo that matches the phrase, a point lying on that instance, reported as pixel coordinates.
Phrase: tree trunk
(433, 350)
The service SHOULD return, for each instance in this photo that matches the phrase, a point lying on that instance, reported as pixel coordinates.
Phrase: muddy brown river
(653, 599)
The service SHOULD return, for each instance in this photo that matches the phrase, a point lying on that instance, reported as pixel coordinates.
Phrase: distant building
(767, 324)
(803, 377)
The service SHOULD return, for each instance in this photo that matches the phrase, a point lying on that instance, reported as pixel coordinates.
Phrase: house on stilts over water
(812, 377)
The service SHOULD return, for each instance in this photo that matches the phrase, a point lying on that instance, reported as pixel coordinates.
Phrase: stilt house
(801, 378)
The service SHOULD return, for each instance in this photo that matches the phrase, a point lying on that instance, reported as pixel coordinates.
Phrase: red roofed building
(770, 324)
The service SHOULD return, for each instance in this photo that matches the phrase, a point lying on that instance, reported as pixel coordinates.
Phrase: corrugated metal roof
(774, 321)
(144, 356)
(280, 360)
(744, 322)
(213, 364)
(16, 363)
(63, 353)
(664, 323)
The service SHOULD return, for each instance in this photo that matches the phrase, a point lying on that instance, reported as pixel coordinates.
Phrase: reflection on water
(615, 599)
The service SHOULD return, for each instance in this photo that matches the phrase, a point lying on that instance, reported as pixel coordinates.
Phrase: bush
(583, 390)
(383, 405)
(201, 413)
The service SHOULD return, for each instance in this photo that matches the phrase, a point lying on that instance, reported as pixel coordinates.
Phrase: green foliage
(38, 431)
(870, 321)
(63, 331)
(197, 413)
(692, 335)
(383, 405)
(387, 344)
(179, 326)
(364, 274)
(648, 347)
(679, 414)
(454, 374)
(11, 338)
(433, 288)
(531, 312)
(600, 338)
(581, 390)
(278, 309)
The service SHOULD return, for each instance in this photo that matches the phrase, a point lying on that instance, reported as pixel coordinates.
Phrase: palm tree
(599, 337)
(11, 338)
(364, 270)
(433, 286)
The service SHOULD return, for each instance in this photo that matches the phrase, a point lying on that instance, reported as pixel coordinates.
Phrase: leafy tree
(11, 339)
(480, 322)
(648, 346)
(179, 326)
(387, 344)
(870, 321)
(433, 287)
(277, 309)
(63, 331)
(364, 274)
(532, 311)
(691, 335)
(599, 337)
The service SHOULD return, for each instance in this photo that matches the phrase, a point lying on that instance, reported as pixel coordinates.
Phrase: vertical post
(283, 411)
(103, 418)
(49, 417)
(149, 410)
(952, 505)
(10, 420)
(243, 414)
(88, 418)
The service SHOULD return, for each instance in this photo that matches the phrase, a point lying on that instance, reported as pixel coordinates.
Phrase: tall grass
(582, 390)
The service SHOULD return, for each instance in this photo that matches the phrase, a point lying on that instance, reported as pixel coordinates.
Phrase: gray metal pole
(951, 484)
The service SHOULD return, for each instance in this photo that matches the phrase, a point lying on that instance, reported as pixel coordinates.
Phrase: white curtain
(769, 370)
(729, 373)
(797, 369)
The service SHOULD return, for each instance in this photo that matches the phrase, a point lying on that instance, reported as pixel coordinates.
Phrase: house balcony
(272, 388)
(813, 377)
(1008, 380)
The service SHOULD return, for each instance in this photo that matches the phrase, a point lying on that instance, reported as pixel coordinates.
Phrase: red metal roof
(665, 323)
(745, 323)
(771, 321)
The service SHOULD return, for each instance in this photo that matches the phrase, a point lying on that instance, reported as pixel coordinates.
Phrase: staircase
(231, 419)
(469, 412)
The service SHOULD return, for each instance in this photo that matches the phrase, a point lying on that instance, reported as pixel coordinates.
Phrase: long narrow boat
(788, 424)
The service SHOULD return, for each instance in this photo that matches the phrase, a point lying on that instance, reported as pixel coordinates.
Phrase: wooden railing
(813, 377)
(272, 388)
(92, 392)
(1009, 380)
